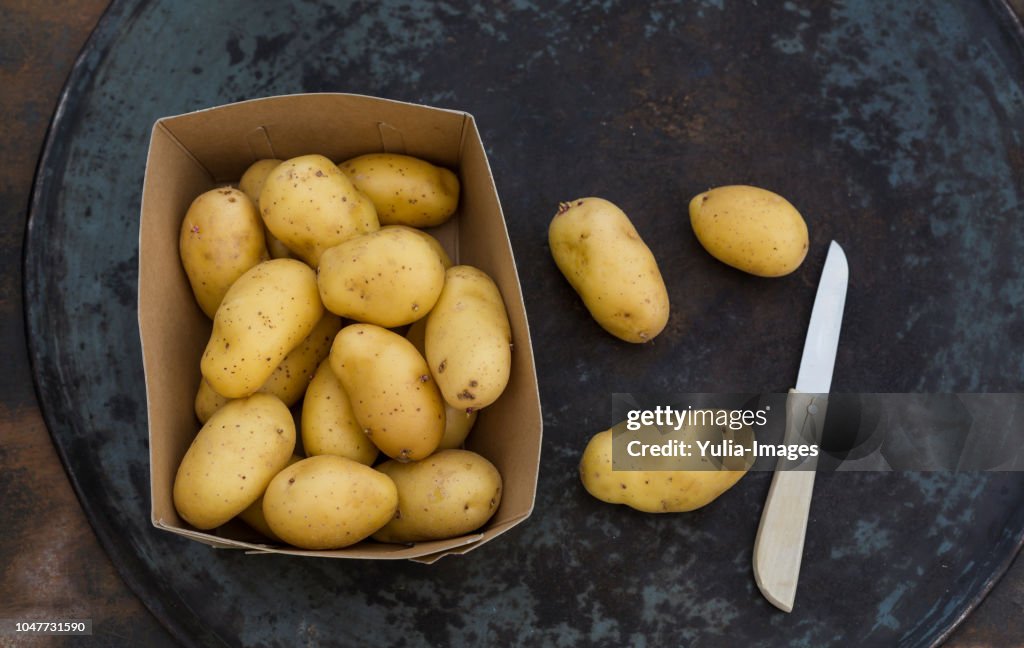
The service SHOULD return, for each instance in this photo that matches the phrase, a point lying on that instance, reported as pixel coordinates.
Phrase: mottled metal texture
(894, 127)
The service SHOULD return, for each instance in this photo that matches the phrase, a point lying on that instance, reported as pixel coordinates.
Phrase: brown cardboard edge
(315, 94)
(158, 127)
(492, 533)
(376, 551)
(386, 141)
(518, 296)
(381, 552)
(471, 131)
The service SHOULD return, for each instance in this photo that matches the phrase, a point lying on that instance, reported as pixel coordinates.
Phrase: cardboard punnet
(195, 152)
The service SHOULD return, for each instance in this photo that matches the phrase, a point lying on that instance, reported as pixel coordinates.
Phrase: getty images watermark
(826, 432)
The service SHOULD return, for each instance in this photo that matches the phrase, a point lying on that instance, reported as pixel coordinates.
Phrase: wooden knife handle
(779, 547)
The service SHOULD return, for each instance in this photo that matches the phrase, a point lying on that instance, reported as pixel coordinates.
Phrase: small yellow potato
(253, 515)
(435, 245)
(750, 229)
(310, 206)
(458, 422)
(390, 277)
(329, 425)
(468, 340)
(658, 488)
(290, 378)
(208, 401)
(328, 502)
(232, 459)
(221, 238)
(457, 425)
(404, 189)
(603, 257)
(252, 184)
(393, 395)
(448, 494)
(255, 176)
(266, 314)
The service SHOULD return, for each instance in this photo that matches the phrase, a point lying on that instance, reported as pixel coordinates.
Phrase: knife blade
(779, 545)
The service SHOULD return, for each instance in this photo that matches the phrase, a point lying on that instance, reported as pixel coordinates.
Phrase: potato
(290, 378)
(252, 184)
(268, 312)
(658, 490)
(328, 502)
(751, 229)
(232, 459)
(603, 257)
(208, 401)
(457, 425)
(447, 495)
(435, 245)
(468, 340)
(328, 424)
(221, 238)
(393, 395)
(255, 177)
(253, 515)
(390, 277)
(405, 190)
(458, 422)
(309, 205)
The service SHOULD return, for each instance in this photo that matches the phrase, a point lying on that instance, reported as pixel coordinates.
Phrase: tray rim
(99, 40)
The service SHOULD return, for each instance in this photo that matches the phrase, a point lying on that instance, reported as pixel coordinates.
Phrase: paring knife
(779, 546)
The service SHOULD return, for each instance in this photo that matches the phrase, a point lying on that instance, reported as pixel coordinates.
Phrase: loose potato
(329, 425)
(468, 340)
(232, 459)
(310, 206)
(392, 393)
(253, 515)
(405, 190)
(328, 502)
(751, 229)
(268, 312)
(447, 495)
(603, 257)
(390, 277)
(658, 489)
(221, 237)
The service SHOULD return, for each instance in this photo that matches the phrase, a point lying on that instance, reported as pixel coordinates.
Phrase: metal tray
(896, 129)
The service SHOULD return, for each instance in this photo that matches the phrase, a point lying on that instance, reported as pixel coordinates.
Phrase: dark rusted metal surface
(896, 130)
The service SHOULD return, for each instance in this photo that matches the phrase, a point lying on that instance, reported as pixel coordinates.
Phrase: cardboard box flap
(287, 126)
